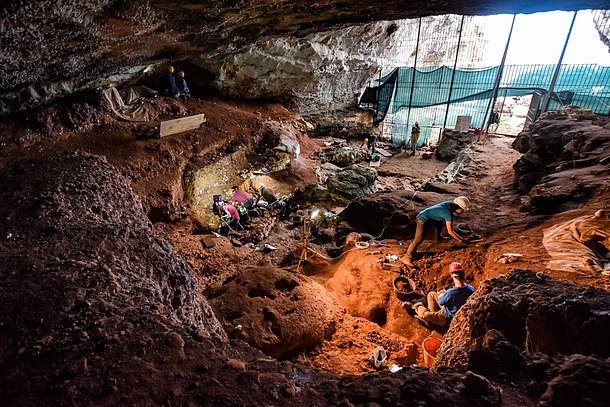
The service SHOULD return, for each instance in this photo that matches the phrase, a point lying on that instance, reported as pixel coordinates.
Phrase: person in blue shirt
(172, 88)
(185, 92)
(443, 305)
(434, 218)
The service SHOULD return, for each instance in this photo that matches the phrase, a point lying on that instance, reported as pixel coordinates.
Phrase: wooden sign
(180, 125)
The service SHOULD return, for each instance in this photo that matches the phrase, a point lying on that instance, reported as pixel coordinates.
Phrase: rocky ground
(114, 293)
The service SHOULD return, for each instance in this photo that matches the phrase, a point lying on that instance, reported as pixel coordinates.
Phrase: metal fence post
(494, 93)
(413, 77)
(547, 97)
(457, 53)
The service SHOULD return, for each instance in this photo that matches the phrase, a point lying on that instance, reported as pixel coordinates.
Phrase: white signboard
(462, 123)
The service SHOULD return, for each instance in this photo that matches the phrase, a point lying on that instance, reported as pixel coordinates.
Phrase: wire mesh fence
(447, 74)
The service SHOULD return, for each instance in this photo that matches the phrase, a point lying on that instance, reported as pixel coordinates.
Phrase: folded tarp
(133, 107)
(580, 245)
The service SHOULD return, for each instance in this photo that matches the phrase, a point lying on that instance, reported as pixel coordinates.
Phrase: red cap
(455, 267)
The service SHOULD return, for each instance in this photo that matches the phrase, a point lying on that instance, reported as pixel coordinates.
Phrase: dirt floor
(331, 316)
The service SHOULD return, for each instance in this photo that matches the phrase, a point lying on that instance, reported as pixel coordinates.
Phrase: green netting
(468, 91)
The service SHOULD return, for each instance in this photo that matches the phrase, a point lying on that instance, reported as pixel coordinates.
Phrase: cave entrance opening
(450, 66)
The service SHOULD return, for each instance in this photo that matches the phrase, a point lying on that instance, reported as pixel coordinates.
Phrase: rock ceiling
(77, 43)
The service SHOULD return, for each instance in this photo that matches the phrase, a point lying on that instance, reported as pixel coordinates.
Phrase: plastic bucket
(430, 346)
(404, 288)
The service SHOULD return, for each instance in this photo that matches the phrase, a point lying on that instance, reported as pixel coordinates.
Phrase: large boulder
(352, 182)
(343, 156)
(341, 184)
(529, 312)
(386, 214)
(452, 142)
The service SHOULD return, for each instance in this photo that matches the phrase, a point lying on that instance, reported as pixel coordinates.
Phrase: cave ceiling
(77, 42)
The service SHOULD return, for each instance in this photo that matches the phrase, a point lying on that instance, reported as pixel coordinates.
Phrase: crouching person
(228, 214)
(442, 305)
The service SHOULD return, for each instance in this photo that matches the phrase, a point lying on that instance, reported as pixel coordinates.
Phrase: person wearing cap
(369, 141)
(434, 218)
(443, 305)
(172, 88)
(185, 92)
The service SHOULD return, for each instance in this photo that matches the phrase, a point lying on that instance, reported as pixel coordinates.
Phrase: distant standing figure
(172, 88)
(494, 119)
(185, 92)
(415, 132)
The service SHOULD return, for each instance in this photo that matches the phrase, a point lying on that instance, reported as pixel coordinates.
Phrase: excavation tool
(307, 217)
(466, 231)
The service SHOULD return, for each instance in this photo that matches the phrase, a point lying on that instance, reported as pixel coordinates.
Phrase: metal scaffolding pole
(377, 97)
(413, 76)
(494, 94)
(547, 97)
(457, 53)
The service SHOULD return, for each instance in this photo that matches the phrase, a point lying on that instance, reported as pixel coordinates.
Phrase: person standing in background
(185, 92)
(415, 132)
(172, 88)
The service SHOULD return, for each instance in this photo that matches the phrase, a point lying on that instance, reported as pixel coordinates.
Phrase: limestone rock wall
(525, 312)
(50, 49)
(564, 160)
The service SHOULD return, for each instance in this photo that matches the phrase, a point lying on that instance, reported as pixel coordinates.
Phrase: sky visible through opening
(538, 38)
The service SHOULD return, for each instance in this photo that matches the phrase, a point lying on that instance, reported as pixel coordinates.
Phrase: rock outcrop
(532, 312)
(549, 334)
(84, 278)
(75, 45)
(510, 321)
(565, 159)
(386, 214)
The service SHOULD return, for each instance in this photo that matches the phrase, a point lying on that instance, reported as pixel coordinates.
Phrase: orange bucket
(430, 346)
